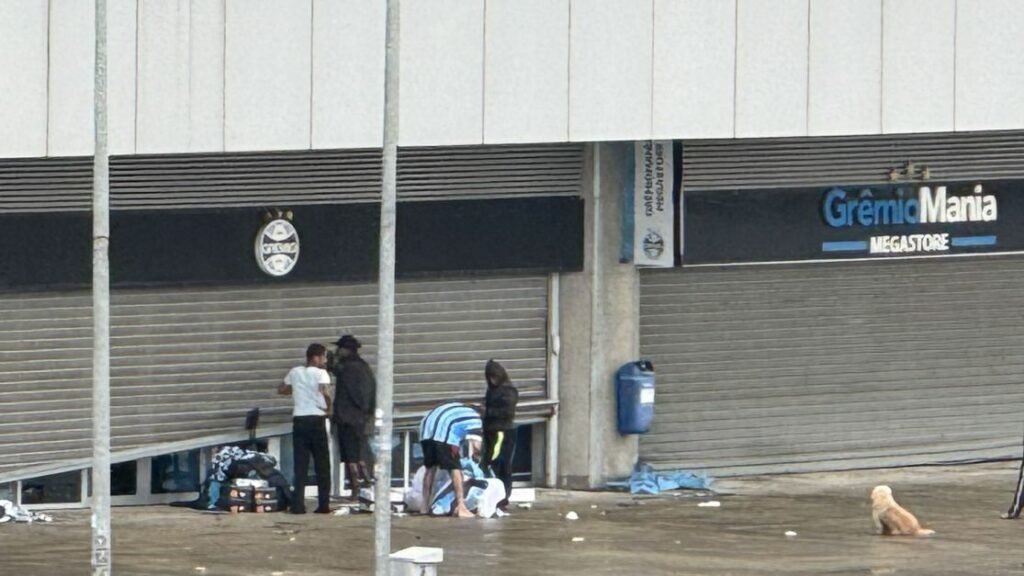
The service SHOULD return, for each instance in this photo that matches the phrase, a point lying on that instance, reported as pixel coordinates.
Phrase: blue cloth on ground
(645, 480)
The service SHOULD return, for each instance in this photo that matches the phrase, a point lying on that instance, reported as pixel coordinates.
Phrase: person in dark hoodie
(354, 404)
(499, 426)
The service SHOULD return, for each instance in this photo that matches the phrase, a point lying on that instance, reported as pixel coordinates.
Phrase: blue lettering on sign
(841, 209)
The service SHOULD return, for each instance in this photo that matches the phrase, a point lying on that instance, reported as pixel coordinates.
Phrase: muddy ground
(621, 535)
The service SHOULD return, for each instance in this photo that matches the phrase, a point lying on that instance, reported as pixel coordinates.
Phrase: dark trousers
(499, 451)
(309, 437)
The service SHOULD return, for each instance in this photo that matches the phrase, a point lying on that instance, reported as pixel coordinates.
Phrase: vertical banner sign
(653, 239)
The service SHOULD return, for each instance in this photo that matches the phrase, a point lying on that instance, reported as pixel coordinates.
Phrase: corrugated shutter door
(188, 363)
(801, 368)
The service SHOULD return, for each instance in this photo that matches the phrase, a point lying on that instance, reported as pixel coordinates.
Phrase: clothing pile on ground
(646, 480)
(9, 512)
(482, 494)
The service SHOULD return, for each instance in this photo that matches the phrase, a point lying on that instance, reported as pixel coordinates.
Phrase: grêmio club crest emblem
(277, 247)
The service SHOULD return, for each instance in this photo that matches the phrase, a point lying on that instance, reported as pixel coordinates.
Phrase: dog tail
(924, 532)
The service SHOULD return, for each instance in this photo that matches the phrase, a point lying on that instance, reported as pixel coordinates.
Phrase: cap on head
(349, 341)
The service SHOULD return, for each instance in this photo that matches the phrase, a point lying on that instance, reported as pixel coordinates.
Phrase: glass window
(522, 459)
(7, 491)
(57, 489)
(123, 479)
(178, 472)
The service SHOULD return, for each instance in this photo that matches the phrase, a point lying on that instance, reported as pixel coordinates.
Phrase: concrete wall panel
(917, 65)
(121, 64)
(526, 85)
(23, 47)
(267, 80)
(990, 65)
(610, 51)
(771, 68)
(206, 80)
(164, 69)
(441, 83)
(694, 68)
(348, 73)
(845, 95)
(72, 45)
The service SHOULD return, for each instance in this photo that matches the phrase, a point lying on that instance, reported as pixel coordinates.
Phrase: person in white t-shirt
(308, 387)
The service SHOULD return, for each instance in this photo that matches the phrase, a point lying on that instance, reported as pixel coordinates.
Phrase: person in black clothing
(499, 426)
(354, 404)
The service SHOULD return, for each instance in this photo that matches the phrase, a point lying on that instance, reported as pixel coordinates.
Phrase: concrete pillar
(599, 331)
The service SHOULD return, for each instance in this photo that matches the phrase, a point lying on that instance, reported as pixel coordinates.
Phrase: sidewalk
(663, 535)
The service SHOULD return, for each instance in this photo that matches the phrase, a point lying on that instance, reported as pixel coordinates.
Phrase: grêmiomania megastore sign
(907, 219)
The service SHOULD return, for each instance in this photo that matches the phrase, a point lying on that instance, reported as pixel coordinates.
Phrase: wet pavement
(830, 514)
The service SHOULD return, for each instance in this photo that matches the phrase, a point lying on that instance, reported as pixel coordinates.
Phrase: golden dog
(891, 518)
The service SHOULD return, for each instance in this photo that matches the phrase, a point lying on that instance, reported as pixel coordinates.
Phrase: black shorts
(353, 444)
(444, 456)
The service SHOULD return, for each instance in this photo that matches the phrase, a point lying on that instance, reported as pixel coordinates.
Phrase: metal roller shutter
(187, 181)
(188, 363)
(847, 160)
(802, 368)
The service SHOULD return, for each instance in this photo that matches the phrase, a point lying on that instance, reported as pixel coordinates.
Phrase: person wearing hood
(499, 425)
(354, 404)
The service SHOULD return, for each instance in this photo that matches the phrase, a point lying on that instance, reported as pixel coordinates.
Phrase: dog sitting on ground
(891, 518)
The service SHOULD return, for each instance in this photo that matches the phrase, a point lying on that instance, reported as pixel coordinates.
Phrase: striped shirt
(449, 423)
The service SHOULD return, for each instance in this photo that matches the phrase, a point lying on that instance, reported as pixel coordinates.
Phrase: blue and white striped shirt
(449, 423)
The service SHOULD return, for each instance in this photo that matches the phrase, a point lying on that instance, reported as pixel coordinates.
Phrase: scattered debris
(525, 505)
(710, 504)
(578, 539)
(572, 516)
(679, 541)
(277, 574)
(343, 511)
(11, 513)
(200, 568)
(292, 539)
(790, 533)
(593, 505)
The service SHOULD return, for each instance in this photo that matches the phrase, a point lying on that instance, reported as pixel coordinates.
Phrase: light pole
(386, 305)
(101, 548)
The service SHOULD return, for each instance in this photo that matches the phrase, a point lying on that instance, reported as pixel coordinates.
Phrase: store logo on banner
(904, 206)
(653, 240)
(277, 247)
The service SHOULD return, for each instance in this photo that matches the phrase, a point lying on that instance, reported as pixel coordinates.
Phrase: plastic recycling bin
(634, 390)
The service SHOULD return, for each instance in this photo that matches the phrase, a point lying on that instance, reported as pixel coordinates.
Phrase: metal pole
(101, 548)
(386, 306)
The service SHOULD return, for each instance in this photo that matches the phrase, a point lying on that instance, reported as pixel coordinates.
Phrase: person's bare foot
(463, 512)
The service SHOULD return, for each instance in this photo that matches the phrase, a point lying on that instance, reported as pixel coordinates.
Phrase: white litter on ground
(790, 533)
(710, 504)
(578, 539)
(572, 516)
(525, 505)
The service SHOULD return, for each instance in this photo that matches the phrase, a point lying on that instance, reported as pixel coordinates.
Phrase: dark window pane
(178, 472)
(123, 479)
(57, 489)
(522, 460)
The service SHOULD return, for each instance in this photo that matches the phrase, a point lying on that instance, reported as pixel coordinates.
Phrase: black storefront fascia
(339, 242)
(831, 222)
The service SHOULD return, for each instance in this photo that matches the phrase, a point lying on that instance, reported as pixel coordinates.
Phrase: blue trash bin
(634, 390)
